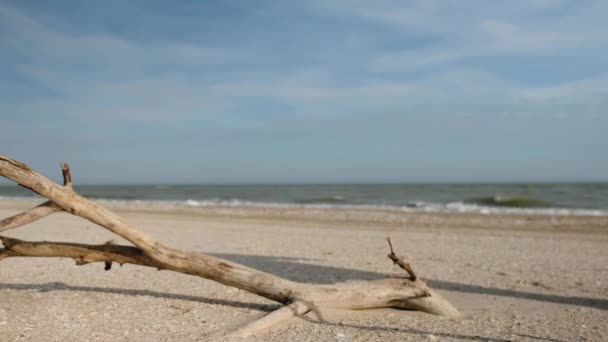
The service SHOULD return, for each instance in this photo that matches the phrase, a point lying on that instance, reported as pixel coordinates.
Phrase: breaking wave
(512, 202)
(416, 206)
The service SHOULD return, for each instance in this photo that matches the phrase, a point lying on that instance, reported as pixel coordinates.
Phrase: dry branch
(39, 211)
(278, 316)
(28, 216)
(398, 261)
(298, 298)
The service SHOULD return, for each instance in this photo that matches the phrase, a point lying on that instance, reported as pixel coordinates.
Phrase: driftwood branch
(278, 316)
(398, 261)
(299, 298)
(39, 211)
(30, 215)
(67, 176)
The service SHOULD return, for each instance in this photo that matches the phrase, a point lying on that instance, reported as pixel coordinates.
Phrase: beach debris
(398, 261)
(298, 298)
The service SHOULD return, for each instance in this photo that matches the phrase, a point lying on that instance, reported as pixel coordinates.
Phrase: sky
(306, 91)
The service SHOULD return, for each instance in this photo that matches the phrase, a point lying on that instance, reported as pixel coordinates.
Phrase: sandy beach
(514, 277)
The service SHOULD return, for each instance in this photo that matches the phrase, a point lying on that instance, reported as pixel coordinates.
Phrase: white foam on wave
(417, 206)
(414, 206)
(192, 203)
(475, 208)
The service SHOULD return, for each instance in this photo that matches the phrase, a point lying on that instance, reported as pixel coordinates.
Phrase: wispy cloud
(515, 39)
(235, 76)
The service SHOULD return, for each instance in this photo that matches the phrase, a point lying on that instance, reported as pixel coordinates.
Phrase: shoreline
(358, 216)
(416, 207)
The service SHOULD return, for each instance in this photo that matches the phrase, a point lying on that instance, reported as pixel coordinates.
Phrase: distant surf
(512, 202)
(589, 199)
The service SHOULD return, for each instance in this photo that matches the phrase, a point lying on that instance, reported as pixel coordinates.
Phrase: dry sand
(515, 278)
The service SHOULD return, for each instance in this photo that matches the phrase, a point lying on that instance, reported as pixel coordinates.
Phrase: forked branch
(40, 211)
(397, 292)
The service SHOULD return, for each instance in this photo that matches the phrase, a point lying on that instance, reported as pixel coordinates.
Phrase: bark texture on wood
(405, 293)
(28, 216)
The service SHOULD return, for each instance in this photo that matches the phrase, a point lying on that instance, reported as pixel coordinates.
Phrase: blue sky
(306, 91)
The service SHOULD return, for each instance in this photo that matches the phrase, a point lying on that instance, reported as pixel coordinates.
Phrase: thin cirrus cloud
(336, 91)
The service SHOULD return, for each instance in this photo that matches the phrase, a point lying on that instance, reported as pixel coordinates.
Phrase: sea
(587, 199)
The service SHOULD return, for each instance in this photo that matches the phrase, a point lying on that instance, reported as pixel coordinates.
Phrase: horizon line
(509, 182)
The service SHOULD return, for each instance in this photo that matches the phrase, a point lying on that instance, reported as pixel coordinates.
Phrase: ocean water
(558, 198)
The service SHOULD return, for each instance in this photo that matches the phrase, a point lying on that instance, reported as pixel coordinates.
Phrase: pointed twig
(398, 261)
(67, 177)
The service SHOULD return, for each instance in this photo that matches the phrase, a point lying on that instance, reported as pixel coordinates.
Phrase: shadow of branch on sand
(265, 308)
(425, 334)
(301, 270)
(58, 286)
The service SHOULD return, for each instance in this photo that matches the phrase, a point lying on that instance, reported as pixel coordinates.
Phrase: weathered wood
(405, 293)
(398, 261)
(278, 316)
(40, 211)
(28, 216)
